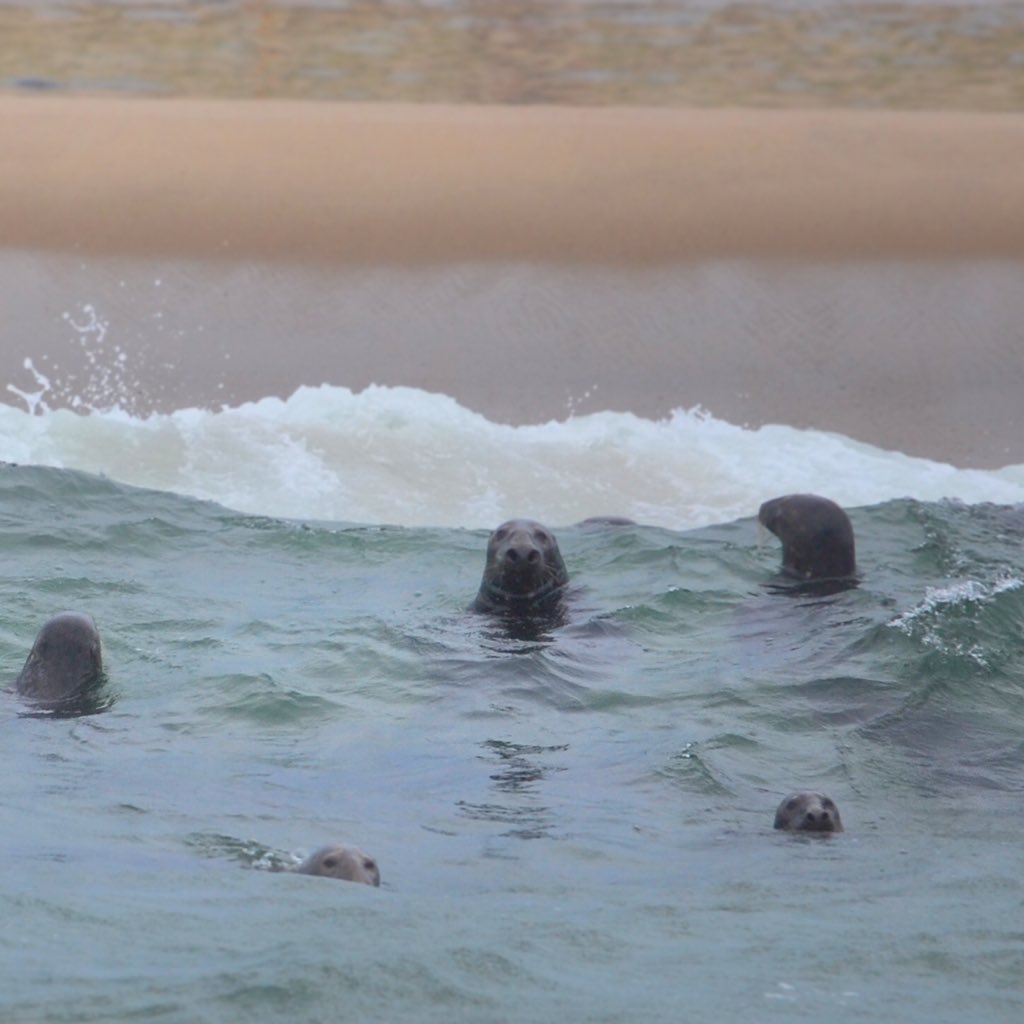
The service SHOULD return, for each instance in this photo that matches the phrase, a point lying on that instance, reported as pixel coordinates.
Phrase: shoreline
(842, 271)
(927, 359)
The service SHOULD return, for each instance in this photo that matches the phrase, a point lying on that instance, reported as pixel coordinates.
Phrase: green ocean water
(575, 822)
(570, 824)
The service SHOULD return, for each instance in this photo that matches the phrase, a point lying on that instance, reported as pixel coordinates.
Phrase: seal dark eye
(500, 534)
(792, 805)
(828, 804)
(369, 865)
(330, 862)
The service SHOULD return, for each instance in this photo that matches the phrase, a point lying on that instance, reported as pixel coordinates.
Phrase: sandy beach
(320, 195)
(405, 184)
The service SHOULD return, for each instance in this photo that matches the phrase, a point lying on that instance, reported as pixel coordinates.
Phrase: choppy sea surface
(573, 824)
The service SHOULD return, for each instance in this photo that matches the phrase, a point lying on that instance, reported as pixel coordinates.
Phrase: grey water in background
(575, 824)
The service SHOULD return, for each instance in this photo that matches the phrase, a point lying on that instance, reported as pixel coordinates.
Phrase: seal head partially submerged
(65, 665)
(524, 569)
(808, 812)
(345, 862)
(816, 535)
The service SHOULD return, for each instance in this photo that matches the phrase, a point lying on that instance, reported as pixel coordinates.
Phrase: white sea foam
(962, 593)
(921, 620)
(403, 456)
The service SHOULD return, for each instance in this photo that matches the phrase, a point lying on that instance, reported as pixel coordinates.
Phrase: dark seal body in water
(605, 522)
(344, 862)
(808, 812)
(524, 571)
(65, 665)
(816, 535)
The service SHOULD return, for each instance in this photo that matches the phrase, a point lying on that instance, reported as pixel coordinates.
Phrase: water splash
(94, 327)
(97, 378)
(33, 399)
(107, 384)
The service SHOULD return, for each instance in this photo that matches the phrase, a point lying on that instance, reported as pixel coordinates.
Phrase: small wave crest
(962, 593)
(938, 621)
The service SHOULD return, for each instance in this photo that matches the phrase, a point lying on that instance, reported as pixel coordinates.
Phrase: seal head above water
(524, 569)
(345, 862)
(816, 535)
(808, 812)
(65, 664)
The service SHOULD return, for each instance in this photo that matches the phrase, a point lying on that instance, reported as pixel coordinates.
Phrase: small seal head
(65, 663)
(344, 862)
(816, 535)
(524, 569)
(808, 812)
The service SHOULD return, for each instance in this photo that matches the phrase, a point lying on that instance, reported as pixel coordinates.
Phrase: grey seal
(524, 570)
(345, 862)
(65, 664)
(808, 812)
(603, 522)
(816, 535)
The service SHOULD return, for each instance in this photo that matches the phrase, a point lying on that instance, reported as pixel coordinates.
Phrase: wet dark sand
(849, 271)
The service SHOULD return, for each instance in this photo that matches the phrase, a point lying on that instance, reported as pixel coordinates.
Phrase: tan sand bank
(298, 181)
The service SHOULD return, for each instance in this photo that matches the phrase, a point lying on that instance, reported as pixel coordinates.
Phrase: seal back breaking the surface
(816, 535)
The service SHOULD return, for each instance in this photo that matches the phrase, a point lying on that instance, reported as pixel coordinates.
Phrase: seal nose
(523, 553)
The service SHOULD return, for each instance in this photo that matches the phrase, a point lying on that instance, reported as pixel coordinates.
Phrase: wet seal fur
(345, 862)
(808, 812)
(65, 666)
(816, 534)
(524, 571)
